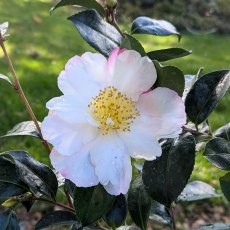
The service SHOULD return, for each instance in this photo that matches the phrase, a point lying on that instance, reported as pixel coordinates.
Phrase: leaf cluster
(161, 183)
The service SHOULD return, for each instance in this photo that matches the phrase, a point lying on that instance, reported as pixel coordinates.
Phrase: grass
(40, 45)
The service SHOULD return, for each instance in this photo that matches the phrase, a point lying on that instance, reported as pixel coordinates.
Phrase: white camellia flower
(106, 115)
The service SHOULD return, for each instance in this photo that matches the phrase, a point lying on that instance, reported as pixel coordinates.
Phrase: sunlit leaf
(92, 4)
(98, 33)
(146, 25)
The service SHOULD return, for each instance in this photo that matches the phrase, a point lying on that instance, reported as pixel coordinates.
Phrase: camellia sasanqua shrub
(123, 136)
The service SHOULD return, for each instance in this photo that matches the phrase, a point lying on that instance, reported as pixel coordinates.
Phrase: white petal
(131, 74)
(76, 167)
(112, 163)
(83, 76)
(66, 138)
(140, 143)
(162, 112)
(69, 109)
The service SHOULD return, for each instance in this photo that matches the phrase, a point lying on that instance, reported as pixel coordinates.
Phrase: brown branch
(19, 90)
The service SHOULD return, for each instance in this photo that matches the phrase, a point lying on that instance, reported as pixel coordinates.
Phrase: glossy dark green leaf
(216, 226)
(36, 175)
(25, 128)
(9, 221)
(131, 43)
(56, 218)
(223, 132)
(205, 95)
(168, 54)
(3, 77)
(166, 177)
(98, 33)
(139, 203)
(146, 25)
(225, 185)
(170, 77)
(70, 186)
(159, 213)
(197, 190)
(3, 29)
(92, 4)
(92, 203)
(117, 214)
(10, 182)
(217, 151)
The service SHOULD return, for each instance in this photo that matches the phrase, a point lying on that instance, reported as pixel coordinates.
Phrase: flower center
(113, 110)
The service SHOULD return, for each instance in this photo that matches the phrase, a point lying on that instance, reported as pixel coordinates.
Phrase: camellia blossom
(108, 114)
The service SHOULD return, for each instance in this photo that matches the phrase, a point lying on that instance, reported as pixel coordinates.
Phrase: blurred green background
(40, 45)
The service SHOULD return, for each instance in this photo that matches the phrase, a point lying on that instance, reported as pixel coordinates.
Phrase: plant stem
(194, 132)
(54, 203)
(18, 88)
(114, 23)
(68, 198)
(110, 16)
(173, 218)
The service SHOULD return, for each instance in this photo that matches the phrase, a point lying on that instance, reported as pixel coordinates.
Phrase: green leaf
(25, 128)
(146, 25)
(223, 132)
(9, 221)
(3, 29)
(216, 226)
(170, 77)
(92, 203)
(56, 218)
(225, 185)
(168, 54)
(10, 182)
(139, 203)
(92, 4)
(36, 175)
(117, 214)
(217, 151)
(131, 43)
(166, 177)
(197, 190)
(160, 214)
(98, 33)
(5, 78)
(206, 94)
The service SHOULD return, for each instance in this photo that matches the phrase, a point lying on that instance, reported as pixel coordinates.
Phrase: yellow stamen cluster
(113, 110)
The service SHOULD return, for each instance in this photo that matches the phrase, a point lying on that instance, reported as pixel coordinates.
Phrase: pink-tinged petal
(131, 74)
(113, 56)
(112, 164)
(76, 167)
(141, 144)
(66, 138)
(83, 76)
(162, 112)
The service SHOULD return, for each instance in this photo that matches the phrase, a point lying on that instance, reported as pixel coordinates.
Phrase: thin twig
(114, 22)
(68, 198)
(194, 132)
(54, 203)
(18, 88)
(173, 218)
